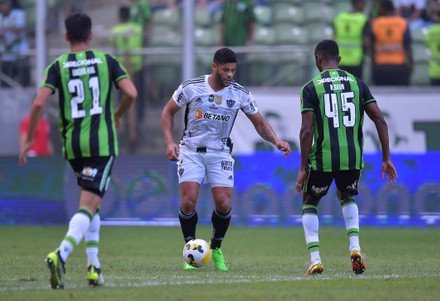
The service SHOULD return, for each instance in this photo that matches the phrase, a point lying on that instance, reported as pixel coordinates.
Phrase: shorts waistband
(205, 149)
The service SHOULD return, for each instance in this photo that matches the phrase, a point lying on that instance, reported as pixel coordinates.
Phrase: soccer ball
(197, 253)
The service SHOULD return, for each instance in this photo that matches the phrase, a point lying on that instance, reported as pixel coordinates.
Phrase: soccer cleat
(219, 260)
(314, 268)
(94, 276)
(57, 270)
(357, 262)
(188, 267)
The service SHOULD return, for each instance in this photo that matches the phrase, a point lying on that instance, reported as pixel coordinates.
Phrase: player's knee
(188, 205)
(223, 205)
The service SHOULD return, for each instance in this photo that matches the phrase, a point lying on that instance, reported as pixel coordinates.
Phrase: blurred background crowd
(274, 40)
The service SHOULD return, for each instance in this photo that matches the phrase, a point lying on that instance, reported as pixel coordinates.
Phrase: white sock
(77, 228)
(311, 229)
(92, 242)
(351, 219)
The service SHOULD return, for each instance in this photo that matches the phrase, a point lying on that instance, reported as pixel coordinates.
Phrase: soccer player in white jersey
(211, 104)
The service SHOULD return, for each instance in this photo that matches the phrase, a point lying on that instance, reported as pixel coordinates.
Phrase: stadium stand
(421, 55)
(279, 23)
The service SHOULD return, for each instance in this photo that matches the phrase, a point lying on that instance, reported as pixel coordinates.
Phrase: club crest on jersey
(230, 102)
(218, 100)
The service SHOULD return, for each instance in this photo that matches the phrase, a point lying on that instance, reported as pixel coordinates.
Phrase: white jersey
(209, 115)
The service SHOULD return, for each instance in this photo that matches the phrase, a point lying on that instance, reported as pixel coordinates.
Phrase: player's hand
(389, 171)
(284, 147)
(22, 159)
(300, 180)
(173, 152)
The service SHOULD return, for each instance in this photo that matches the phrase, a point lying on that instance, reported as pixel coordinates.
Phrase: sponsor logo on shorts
(227, 165)
(353, 186)
(181, 172)
(89, 173)
(319, 190)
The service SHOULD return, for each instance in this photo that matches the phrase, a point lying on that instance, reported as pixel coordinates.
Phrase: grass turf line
(265, 263)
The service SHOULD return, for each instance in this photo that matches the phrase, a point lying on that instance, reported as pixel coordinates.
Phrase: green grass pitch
(145, 263)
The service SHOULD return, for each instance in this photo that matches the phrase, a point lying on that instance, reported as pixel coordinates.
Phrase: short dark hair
(357, 2)
(328, 49)
(224, 56)
(78, 27)
(387, 6)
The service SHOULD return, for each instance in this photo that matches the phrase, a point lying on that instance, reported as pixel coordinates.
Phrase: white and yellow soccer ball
(197, 253)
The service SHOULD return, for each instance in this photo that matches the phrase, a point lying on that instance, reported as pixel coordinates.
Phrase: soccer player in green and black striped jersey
(333, 105)
(87, 124)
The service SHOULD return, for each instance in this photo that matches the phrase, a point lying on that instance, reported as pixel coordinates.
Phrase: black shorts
(93, 174)
(318, 182)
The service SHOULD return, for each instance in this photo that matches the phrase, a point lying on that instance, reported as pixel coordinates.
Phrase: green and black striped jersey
(338, 101)
(86, 117)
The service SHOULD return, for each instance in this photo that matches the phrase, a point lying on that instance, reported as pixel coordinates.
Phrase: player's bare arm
(128, 98)
(168, 113)
(306, 138)
(388, 169)
(38, 106)
(267, 133)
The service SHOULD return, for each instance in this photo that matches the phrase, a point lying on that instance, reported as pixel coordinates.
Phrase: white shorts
(215, 168)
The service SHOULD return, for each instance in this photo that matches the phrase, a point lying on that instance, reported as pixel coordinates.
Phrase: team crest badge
(181, 172)
(230, 102)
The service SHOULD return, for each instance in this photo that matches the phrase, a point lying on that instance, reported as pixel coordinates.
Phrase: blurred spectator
(434, 11)
(373, 9)
(414, 11)
(433, 42)
(141, 14)
(349, 30)
(213, 6)
(13, 43)
(42, 142)
(125, 37)
(237, 29)
(388, 40)
(238, 23)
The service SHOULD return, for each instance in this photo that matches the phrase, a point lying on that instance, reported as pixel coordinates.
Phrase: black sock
(188, 223)
(220, 224)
